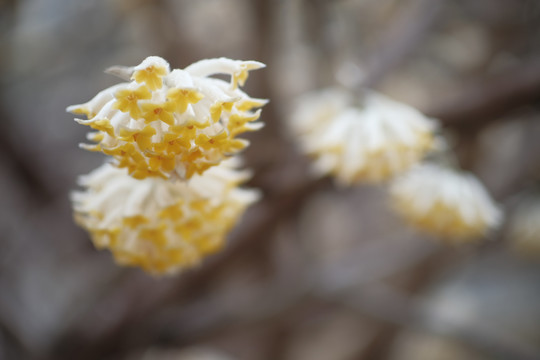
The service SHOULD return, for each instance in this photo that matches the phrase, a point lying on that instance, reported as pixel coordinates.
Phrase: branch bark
(485, 102)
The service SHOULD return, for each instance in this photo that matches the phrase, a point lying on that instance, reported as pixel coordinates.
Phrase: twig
(482, 103)
(401, 39)
(21, 163)
(395, 308)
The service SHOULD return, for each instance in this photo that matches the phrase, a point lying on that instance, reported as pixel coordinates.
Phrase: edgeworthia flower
(370, 141)
(172, 124)
(162, 226)
(445, 203)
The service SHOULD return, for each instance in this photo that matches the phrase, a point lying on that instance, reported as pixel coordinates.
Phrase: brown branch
(482, 103)
(20, 162)
(408, 30)
(400, 310)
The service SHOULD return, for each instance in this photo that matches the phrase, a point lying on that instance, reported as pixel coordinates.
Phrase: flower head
(445, 203)
(371, 142)
(163, 123)
(162, 226)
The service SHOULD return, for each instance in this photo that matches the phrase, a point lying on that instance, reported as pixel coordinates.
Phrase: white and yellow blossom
(162, 226)
(454, 206)
(369, 142)
(163, 123)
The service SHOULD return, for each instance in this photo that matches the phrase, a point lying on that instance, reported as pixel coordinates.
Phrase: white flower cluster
(160, 225)
(171, 194)
(445, 203)
(371, 142)
(374, 138)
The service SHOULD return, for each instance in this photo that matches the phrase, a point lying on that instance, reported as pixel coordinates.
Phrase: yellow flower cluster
(171, 194)
(159, 225)
(177, 123)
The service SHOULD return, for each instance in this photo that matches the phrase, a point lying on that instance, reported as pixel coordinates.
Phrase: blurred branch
(407, 32)
(7, 11)
(285, 300)
(526, 172)
(478, 104)
(11, 344)
(421, 275)
(277, 303)
(21, 164)
(395, 308)
(482, 103)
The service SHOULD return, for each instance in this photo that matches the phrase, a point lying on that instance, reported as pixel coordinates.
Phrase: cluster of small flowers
(451, 204)
(170, 194)
(374, 139)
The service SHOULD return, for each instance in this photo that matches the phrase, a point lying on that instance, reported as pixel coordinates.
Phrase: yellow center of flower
(128, 100)
(154, 112)
(179, 99)
(151, 76)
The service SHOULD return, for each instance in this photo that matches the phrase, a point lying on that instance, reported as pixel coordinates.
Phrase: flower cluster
(160, 225)
(372, 138)
(172, 123)
(370, 142)
(170, 195)
(445, 203)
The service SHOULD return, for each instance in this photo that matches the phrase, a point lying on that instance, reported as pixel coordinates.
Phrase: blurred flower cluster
(372, 138)
(171, 193)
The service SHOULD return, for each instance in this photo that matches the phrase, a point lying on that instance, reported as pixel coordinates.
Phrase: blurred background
(313, 272)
